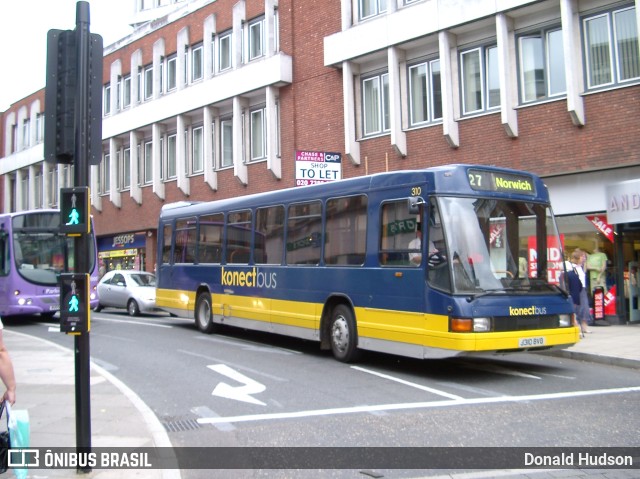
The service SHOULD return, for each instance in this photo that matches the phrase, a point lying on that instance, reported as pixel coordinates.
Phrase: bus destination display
(486, 180)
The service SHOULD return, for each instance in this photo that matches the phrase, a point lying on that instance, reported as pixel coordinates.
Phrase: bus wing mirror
(414, 204)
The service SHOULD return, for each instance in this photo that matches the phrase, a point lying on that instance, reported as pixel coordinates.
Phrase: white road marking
(238, 393)
(497, 369)
(138, 323)
(416, 405)
(407, 383)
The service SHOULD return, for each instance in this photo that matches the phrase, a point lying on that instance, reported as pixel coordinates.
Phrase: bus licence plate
(531, 342)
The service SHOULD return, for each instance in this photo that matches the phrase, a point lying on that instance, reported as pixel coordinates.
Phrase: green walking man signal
(74, 303)
(75, 210)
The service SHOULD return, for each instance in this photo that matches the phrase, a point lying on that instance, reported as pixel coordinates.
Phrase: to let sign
(314, 167)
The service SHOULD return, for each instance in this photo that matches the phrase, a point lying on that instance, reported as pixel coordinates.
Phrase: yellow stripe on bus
(429, 330)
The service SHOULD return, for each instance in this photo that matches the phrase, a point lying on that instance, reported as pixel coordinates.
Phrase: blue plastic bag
(19, 433)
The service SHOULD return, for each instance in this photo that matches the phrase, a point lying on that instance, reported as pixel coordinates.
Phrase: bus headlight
(564, 320)
(481, 325)
(468, 325)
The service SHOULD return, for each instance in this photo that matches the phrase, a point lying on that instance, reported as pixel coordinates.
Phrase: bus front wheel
(344, 337)
(203, 314)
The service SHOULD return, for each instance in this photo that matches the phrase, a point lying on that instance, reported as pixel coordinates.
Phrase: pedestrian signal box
(75, 210)
(74, 303)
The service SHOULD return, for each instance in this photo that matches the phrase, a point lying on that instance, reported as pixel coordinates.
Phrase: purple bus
(32, 255)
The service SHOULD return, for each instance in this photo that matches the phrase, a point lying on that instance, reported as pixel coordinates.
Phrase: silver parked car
(134, 290)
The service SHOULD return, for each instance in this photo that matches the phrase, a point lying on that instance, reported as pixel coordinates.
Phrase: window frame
(251, 44)
(225, 51)
(226, 162)
(197, 150)
(381, 105)
(197, 63)
(614, 56)
(172, 73)
(550, 76)
(147, 82)
(429, 97)
(483, 52)
(258, 142)
(379, 7)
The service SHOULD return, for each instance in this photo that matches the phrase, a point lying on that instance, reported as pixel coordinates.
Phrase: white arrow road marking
(239, 393)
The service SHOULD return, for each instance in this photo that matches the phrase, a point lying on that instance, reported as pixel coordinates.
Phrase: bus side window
(397, 230)
(166, 244)
(346, 230)
(210, 238)
(4, 254)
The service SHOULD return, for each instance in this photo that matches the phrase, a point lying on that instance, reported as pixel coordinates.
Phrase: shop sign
(623, 202)
(610, 301)
(555, 264)
(317, 167)
(601, 224)
(121, 241)
(118, 253)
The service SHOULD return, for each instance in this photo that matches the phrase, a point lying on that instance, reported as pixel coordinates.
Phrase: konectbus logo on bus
(254, 278)
(528, 311)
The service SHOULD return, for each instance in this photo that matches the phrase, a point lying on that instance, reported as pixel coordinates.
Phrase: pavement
(119, 418)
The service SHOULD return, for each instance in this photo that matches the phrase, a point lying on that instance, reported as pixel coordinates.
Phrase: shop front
(123, 251)
(623, 210)
(582, 204)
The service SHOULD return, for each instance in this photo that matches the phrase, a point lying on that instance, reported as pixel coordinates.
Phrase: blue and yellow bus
(427, 263)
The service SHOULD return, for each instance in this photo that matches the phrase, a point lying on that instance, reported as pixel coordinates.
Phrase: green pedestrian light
(74, 302)
(75, 210)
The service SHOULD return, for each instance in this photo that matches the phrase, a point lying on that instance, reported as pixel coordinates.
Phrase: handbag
(4, 443)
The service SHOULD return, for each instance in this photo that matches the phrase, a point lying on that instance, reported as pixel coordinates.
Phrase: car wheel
(98, 308)
(343, 334)
(204, 315)
(132, 308)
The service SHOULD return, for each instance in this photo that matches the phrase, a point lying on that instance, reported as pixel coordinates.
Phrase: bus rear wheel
(204, 314)
(343, 334)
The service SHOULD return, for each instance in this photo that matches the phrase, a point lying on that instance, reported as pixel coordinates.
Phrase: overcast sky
(23, 38)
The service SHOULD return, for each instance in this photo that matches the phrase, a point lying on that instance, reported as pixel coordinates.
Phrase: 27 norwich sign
(317, 167)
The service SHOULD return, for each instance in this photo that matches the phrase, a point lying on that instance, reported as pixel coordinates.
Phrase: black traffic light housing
(75, 210)
(74, 303)
(61, 97)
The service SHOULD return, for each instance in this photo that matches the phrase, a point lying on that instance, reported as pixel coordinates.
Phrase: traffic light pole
(73, 135)
(81, 249)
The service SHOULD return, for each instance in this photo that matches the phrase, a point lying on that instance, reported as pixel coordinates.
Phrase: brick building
(213, 99)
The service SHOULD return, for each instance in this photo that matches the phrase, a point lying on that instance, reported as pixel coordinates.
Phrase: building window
(171, 156)
(611, 48)
(126, 91)
(224, 52)
(106, 100)
(171, 73)
(371, 8)
(125, 171)
(38, 191)
(53, 188)
(256, 39)
(542, 67)
(197, 61)
(148, 82)
(39, 127)
(258, 135)
(226, 143)
(148, 163)
(480, 80)
(375, 104)
(26, 133)
(197, 150)
(105, 177)
(425, 92)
